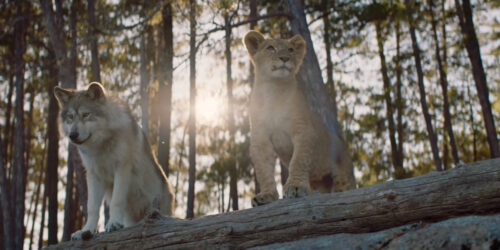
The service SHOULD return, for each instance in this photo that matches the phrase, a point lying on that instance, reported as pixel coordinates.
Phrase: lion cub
(282, 123)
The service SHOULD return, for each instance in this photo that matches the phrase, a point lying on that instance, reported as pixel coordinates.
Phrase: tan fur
(121, 169)
(282, 124)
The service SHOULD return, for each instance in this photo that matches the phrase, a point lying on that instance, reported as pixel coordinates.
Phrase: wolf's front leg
(263, 158)
(95, 194)
(119, 197)
(297, 184)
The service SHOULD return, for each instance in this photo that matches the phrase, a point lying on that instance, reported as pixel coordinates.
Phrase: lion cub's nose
(284, 59)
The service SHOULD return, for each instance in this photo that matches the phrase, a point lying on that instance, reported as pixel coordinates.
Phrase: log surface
(472, 189)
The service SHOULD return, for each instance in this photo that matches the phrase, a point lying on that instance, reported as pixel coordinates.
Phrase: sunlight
(210, 109)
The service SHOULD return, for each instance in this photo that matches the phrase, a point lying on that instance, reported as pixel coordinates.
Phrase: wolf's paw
(81, 235)
(264, 198)
(293, 190)
(113, 226)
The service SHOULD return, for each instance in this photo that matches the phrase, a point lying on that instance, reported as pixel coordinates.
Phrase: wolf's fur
(283, 124)
(121, 168)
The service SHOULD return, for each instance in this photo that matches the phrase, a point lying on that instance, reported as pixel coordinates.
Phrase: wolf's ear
(62, 95)
(96, 91)
(298, 44)
(252, 41)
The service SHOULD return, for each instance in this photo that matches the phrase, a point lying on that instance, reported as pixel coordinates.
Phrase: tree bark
(164, 128)
(233, 172)
(310, 79)
(399, 172)
(94, 52)
(18, 178)
(420, 79)
(330, 84)
(472, 189)
(443, 81)
(192, 109)
(464, 12)
(5, 199)
(144, 85)
(8, 126)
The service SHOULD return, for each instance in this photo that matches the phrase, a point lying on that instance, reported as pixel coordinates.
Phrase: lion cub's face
(275, 58)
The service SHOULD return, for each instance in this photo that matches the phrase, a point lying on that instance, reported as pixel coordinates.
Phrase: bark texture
(472, 189)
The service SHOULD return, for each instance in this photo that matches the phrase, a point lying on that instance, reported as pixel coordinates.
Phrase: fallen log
(472, 189)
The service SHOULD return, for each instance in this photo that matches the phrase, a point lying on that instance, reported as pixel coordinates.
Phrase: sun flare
(210, 109)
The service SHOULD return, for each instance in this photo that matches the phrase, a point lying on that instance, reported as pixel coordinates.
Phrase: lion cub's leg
(263, 158)
(298, 184)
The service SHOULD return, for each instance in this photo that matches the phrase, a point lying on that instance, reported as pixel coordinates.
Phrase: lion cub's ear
(252, 41)
(62, 95)
(299, 44)
(96, 91)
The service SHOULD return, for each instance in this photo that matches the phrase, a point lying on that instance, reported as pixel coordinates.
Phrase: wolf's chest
(100, 166)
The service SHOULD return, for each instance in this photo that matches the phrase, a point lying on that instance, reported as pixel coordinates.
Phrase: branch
(472, 189)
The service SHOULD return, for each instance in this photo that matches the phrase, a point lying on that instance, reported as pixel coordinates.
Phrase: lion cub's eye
(85, 115)
(290, 49)
(271, 48)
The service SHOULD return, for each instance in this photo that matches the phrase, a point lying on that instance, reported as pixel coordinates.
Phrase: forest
(413, 85)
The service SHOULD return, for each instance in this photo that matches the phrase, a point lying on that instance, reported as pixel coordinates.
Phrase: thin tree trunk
(144, 85)
(94, 52)
(251, 76)
(69, 210)
(5, 199)
(420, 75)
(164, 128)
(396, 162)
(192, 109)
(8, 125)
(464, 12)
(233, 172)
(444, 86)
(400, 104)
(42, 220)
(37, 196)
(18, 181)
(330, 85)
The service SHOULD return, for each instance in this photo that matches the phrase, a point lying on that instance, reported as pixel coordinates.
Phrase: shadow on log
(472, 189)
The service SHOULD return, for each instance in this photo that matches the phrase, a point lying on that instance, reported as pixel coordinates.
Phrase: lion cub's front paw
(293, 190)
(81, 235)
(264, 198)
(113, 226)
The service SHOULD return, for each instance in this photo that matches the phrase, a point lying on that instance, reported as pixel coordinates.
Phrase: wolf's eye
(271, 48)
(69, 117)
(85, 115)
(290, 49)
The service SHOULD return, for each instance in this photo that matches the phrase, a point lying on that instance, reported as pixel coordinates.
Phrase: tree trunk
(5, 198)
(67, 77)
(164, 128)
(192, 109)
(400, 103)
(469, 190)
(8, 126)
(420, 75)
(94, 52)
(233, 172)
(18, 179)
(251, 76)
(330, 84)
(144, 86)
(311, 81)
(464, 12)
(399, 172)
(444, 86)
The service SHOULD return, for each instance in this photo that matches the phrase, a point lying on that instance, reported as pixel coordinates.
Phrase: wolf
(121, 168)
